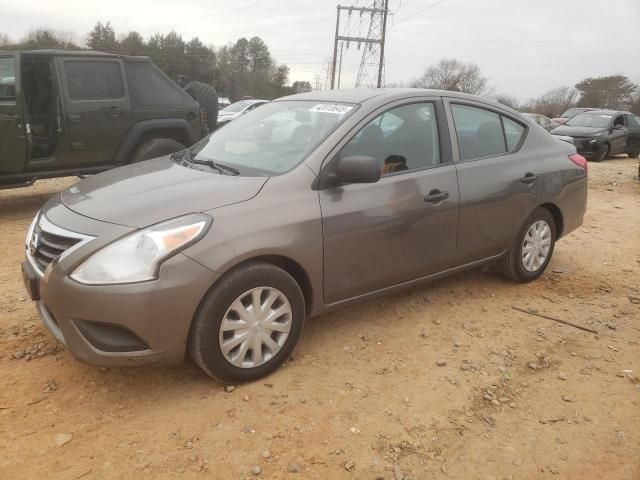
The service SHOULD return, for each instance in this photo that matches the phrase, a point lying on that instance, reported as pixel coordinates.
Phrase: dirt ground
(443, 381)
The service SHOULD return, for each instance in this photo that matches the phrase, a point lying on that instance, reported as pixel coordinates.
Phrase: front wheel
(603, 154)
(248, 324)
(533, 247)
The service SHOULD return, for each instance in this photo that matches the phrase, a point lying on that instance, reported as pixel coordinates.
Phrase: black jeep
(77, 113)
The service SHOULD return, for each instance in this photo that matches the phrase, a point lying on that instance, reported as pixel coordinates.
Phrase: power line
(413, 15)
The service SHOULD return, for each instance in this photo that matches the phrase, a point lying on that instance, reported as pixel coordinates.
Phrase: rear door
(498, 182)
(633, 139)
(13, 140)
(97, 108)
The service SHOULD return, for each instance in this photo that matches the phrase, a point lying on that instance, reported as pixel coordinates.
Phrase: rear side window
(513, 131)
(483, 133)
(94, 80)
(151, 89)
(7, 78)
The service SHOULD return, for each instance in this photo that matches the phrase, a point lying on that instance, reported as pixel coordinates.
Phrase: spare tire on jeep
(207, 97)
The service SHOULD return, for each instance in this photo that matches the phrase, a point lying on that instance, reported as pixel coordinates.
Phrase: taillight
(580, 161)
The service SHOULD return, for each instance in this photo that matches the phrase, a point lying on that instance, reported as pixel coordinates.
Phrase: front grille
(46, 242)
(48, 246)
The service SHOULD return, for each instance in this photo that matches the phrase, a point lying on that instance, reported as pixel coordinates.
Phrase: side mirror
(619, 127)
(358, 169)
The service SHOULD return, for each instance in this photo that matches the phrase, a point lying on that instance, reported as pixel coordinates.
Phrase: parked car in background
(225, 249)
(238, 109)
(544, 122)
(572, 112)
(223, 102)
(76, 113)
(600, 133)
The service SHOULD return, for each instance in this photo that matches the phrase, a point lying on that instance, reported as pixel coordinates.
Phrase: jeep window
(7, 78)
(93, 80)
(151, 89)
(274, 138)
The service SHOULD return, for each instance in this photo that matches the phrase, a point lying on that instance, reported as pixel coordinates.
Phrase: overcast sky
(524, 47)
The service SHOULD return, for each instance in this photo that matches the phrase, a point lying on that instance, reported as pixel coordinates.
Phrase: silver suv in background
(307, 204)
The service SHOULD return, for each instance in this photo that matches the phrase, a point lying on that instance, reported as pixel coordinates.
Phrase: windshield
(274, 138)
(572, 112)
(591, 120)
(236, 107)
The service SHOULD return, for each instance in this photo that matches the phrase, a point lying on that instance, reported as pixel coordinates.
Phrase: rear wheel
(533, 247)
(633, 154)
(156, 147)
(248, 324)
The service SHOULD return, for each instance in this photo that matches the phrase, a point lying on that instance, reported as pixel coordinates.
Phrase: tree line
(243, 68)
(616, 92)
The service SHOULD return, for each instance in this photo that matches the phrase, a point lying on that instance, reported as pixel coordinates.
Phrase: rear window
(151, 89)
(7, 78)
(89, 80)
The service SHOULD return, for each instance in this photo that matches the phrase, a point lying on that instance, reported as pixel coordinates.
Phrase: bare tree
(553, 102)
(454, 75)
(507, 100)
(4, 40)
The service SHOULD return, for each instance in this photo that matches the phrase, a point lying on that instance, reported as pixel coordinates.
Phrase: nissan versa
(306, 204)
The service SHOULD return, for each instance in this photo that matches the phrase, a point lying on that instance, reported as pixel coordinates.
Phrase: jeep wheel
(156, 147)
(633, 154)
(207, 98)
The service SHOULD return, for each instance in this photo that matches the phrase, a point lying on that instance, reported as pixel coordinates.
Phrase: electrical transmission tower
(372, 64)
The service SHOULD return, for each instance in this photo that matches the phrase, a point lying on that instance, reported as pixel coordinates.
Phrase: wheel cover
(255, 327)
(536, 246)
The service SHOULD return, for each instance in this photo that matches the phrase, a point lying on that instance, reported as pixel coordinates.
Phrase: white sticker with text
(331, 108)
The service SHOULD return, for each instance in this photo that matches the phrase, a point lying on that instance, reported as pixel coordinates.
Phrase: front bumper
(119, 325)
(589, 147)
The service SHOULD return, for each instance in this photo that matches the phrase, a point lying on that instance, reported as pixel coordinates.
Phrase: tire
(633, 154)
(156, 147)
(512, 265)
(604, 153)
(207, 98)
(206, 337)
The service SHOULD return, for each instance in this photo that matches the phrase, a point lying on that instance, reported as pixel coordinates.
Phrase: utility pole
(373, 49)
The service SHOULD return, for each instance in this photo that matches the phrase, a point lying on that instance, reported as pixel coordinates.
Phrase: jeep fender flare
(142, 129)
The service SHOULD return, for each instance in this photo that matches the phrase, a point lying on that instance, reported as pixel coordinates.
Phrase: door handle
(436, 196)
(73, 118)
(529, 178)
(113, 111)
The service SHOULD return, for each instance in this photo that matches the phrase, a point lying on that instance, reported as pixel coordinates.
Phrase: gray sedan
(304, 205)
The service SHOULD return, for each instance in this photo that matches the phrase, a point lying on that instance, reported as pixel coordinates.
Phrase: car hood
(149, 192)
(575, 131)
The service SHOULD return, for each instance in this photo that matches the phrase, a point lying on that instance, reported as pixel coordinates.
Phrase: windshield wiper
(221, 167)
(185, 156)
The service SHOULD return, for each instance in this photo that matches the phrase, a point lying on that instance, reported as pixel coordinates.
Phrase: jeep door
(97, 108)
(13, 140)
(404, 226)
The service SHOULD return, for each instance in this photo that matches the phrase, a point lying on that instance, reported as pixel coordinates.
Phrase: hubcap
(255, 327)
(536, 246)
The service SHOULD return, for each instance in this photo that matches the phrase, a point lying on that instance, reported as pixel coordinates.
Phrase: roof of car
(604, 111)
(83, 53)
(361, 95)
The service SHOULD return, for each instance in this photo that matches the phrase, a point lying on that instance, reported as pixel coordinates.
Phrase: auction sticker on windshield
(331, 108)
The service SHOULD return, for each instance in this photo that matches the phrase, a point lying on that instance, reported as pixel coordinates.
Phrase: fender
(139, 129)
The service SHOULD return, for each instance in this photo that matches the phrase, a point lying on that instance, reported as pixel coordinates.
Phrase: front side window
(274, 138)
(7, 78)
(94, 80)
(401, 139)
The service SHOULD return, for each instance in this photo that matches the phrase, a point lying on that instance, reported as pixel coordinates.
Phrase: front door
(633, 138)
(97, 108)
(404, 226)
(13, 141)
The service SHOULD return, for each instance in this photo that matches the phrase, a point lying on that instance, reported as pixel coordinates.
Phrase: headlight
(137, 256)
